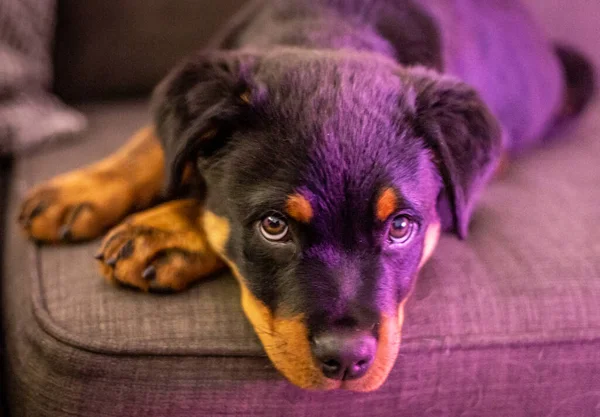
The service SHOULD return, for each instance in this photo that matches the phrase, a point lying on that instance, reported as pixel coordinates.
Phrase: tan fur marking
(190, 170)
(503, 166)
(216, 229)
(188, 173)
(246, 96)
(432, 235)
(299, 208)
(386, 204)
(209, 134)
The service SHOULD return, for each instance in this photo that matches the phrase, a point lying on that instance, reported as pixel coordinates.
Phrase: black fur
(579, 76)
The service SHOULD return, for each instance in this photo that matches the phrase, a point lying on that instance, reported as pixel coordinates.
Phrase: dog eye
(401, 229)
(274, 228)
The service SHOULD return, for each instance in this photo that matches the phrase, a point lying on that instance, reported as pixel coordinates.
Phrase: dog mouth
(287, 343)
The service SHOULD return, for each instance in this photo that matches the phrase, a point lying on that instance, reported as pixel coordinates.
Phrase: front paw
(155, 259)
(74, 207)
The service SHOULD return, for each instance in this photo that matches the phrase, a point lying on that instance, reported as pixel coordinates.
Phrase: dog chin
(286, 343)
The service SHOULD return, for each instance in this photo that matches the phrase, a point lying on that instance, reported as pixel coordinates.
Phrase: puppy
(317, 149)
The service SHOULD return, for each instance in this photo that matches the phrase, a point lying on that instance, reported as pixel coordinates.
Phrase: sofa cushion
(507, 320)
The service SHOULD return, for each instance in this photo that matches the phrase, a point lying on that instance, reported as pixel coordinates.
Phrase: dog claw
(64, 233)
(149, 273)
(125, 252)
(99, 256)
(37, 210)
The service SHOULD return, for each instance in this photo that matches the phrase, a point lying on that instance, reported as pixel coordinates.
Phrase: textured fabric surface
(505, 323)
(140, 42)
(28, 113)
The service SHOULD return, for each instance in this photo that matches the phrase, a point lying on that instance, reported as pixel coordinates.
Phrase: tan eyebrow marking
(299, 208)
(386, 204)
(246, 96)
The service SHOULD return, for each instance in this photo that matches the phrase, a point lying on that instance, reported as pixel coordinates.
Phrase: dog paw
(76, 206)
(159, 250)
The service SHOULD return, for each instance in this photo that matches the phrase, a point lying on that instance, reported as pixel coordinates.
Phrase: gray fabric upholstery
(505, 323)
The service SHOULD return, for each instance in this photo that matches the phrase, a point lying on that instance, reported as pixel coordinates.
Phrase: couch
(506, 323)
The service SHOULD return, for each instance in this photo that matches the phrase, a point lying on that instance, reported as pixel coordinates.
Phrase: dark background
(5, 166)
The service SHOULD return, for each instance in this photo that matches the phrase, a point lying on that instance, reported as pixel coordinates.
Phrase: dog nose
(344, 354)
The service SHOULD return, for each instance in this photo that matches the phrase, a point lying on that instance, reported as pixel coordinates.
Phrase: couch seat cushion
(497, 322)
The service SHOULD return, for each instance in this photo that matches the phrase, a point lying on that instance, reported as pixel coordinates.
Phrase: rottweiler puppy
(316, 149)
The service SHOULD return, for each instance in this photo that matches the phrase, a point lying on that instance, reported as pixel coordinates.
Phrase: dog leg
(163, 249)
(82, 204)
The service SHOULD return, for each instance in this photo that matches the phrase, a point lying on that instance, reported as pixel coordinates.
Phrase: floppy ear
(196, 105)
(466, 140)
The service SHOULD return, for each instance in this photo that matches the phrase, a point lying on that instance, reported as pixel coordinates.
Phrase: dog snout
(344, 354)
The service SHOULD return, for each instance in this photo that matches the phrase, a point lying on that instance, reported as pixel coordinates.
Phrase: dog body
(328, 142)
(493, 46)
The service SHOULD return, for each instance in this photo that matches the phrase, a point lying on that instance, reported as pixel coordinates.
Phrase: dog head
(326, 177)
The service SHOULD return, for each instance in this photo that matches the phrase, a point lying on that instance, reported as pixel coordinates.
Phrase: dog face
(326, 178)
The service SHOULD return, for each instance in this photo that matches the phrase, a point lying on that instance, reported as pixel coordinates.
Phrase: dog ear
(195, 106)
(464, 136)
